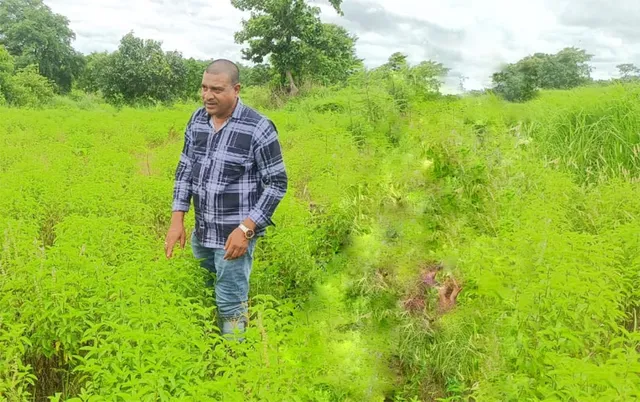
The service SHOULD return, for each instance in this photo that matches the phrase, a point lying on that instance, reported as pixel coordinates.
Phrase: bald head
(226, 67)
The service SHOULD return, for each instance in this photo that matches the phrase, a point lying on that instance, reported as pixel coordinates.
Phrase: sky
(473, 38)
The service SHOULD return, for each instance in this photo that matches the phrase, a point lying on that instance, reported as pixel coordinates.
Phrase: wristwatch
(248, 233)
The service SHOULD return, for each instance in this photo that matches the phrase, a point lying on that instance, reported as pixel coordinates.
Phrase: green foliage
(547, 308)
(24, 87)
(140, 72)
(516, 83)
(33, 34)
(257, 75)
(331, 57)
(174, 79)
(397, 61)
(290, 31)
(194, 70)
(407, 83)
(520, 81)
(628, 71)
(6, 71)
(595, 137)
(28, 88)
(94, 74)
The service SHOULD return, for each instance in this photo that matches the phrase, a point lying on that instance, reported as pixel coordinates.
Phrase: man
(231, 166)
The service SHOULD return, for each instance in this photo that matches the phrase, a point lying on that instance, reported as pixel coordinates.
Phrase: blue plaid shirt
(234, 173)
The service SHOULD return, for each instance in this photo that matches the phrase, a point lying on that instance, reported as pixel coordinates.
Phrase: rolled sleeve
(272, 173)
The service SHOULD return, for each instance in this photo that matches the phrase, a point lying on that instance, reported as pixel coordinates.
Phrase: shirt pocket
(231, 164)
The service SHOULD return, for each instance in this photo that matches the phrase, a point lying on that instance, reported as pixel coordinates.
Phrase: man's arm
(268, 156)
(270, 163)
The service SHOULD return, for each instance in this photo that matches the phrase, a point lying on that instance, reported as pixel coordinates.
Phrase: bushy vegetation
(522, 80)
(545, 259)
(515, 202)
(24, 86)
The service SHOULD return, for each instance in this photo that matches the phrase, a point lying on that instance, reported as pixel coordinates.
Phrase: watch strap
(246, 230)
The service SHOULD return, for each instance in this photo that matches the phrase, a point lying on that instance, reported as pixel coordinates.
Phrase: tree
(139, 71)
(176, 76)
(564, 70)
(628, 71)
(405, 82)
(282, 30)
(194, 70)
(427, 76)
(463, 80)
(93, 75)
(331, 55)
(6, 71)
(24, 87)
(258, 74)
(33, 34)
(514, 85)
(29, 88)
(397, 62)
(519, 82)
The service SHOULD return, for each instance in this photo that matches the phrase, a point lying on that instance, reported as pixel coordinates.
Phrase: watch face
(250, 233)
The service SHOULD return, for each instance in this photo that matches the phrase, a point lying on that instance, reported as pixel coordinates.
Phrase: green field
(533, 208)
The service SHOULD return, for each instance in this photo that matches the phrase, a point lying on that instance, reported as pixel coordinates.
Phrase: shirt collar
(237, 112)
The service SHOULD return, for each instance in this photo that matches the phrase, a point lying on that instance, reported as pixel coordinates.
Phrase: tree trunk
(293, 90)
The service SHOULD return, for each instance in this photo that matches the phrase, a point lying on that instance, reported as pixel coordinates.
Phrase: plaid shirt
(234, 173)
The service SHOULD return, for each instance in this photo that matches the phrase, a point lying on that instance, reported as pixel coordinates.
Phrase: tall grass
(547, 311)
(596, 136)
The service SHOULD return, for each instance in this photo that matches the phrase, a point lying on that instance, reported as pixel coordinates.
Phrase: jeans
(231, 284)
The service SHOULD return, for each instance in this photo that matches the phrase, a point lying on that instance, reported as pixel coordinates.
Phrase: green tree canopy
(29, 88)
(283, 30)
(397, 62)
(33, 34)
(140, 71)
(566, 69)
(24, 87)
(519, 82)
(425, 77)
(93, 74)
(258, 74)
(6, 70)
(406, 82)
(331, 55)
(194, 70)
(628, 71)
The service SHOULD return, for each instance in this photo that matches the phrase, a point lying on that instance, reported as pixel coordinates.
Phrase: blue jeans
(231, 284)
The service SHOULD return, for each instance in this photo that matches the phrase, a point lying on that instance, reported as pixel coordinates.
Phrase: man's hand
(175, 234)
(236, 246)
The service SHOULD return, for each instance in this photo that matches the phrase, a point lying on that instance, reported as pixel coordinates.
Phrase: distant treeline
(287, 46)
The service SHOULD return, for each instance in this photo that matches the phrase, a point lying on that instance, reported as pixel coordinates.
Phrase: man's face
(219, 94)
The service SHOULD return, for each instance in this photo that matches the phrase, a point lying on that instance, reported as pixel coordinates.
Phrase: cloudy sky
(471, 37)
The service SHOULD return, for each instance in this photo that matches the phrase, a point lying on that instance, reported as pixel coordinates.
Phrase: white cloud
(473, 38)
